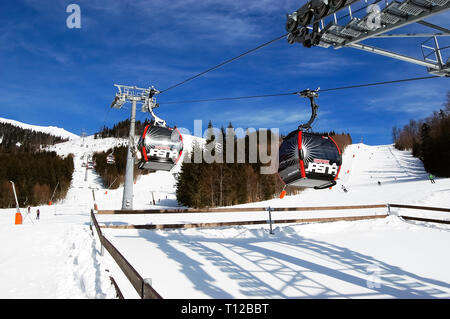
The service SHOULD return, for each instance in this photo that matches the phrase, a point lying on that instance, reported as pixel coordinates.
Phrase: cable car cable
(225, 62)
(297, 92)
(229, 98)
(380, 83)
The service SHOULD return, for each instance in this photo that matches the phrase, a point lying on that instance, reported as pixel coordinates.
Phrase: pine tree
(426, 147)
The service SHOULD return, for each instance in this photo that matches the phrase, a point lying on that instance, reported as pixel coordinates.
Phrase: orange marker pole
(18, 219)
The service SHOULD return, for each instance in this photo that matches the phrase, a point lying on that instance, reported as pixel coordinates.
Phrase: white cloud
(217, 21)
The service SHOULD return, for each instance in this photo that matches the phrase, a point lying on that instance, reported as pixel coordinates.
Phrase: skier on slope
(431, 177)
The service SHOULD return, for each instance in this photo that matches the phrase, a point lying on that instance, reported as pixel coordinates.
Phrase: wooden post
(270, 219)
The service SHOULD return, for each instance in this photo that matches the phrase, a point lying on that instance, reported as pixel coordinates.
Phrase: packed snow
(58, 256)
(366, 259)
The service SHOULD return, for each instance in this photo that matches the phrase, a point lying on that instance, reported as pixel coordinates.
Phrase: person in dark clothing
(37, 214)
(379, 183)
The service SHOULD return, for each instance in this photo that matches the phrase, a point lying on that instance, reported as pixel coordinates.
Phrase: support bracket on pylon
(317, 24)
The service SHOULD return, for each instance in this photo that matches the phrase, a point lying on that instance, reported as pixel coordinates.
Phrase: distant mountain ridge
(51, 130)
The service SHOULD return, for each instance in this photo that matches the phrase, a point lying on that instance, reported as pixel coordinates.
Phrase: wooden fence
(146, 291)
(142, 287)
(421, 219)
(439, 209)
(247, 222)
(238, 210)
(259, 209)
(232, 210)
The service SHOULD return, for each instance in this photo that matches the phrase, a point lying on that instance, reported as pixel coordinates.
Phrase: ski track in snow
(57, 257)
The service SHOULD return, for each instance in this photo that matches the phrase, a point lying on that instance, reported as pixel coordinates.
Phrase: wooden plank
(234, 210)
(116, 287)
(438, 209)
(97, 228)
(178, 211)
(192, 225)
(239, 223)
(141, 287)
(132, 275)
(149, 292)
(294, 209)
(329, 219)
(426, 219)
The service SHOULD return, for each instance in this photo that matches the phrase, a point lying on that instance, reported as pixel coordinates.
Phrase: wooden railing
(237, 210)
(421, 219)
(142, 287)
(233, 210)
(146, 291)
(247, 222)
(438, 209)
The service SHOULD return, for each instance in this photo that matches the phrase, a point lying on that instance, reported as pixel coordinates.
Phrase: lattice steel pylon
(317, 24)
(134, 95)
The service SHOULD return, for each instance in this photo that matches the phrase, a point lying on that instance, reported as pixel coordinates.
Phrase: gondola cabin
(160, 147)
(309, 160)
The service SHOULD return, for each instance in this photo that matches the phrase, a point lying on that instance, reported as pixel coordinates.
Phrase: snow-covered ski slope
(56, 257)
(161, 184)
(380, 163)
(402, 177)
(52, 130)
(386, 258)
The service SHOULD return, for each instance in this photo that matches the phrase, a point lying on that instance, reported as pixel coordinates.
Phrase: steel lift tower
(134, 95)
(317, 24)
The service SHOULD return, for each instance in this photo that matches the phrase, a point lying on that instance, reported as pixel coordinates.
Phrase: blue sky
(53, 75)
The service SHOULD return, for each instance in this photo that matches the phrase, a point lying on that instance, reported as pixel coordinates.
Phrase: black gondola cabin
(160, 147)
(309, 160)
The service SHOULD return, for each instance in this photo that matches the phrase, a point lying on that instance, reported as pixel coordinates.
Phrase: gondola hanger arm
(311, 95)
(151, 104)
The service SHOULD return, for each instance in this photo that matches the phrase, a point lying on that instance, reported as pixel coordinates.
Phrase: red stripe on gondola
(145, 131)
(302, 164)
(144, 151)
(181, 151)
(339, 150)
(302, 169)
